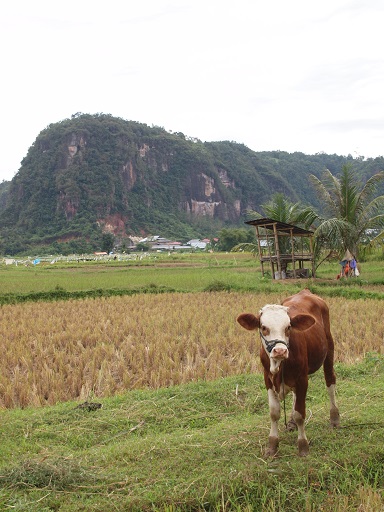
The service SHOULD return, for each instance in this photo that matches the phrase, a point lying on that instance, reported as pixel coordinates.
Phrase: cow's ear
(302, 322)
(249, 321)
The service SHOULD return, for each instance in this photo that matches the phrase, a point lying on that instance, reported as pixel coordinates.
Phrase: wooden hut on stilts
(286, 249)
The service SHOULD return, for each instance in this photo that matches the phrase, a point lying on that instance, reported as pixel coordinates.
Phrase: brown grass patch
(82, 349)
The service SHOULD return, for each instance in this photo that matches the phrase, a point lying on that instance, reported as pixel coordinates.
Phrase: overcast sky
(278, 75)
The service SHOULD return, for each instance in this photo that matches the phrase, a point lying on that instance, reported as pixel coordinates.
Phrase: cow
(296, 341)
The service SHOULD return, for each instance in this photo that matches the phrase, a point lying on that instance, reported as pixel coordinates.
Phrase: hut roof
(280, 226)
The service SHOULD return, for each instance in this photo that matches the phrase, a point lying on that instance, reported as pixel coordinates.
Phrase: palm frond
(252, 215)
(370, 188)
(278, 208)
(323, 188)
(372, 208)
(307, 216)
(376, 241)
(246, 247)
(349, 194)
(351, 207)
(338, 234)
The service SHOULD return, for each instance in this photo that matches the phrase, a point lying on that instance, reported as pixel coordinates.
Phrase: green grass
(197, 447)
(183, 272)
(192, 274)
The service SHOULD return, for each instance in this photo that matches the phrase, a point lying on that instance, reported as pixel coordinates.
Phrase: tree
(281, 209)
(228, 238)
(107, 242)
(350, 207)
(143, 247)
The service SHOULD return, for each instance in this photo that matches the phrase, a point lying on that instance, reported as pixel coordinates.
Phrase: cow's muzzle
(273, 350)
(280, 352)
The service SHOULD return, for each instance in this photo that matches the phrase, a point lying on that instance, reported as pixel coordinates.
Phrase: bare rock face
(225, 180)
(203, 208)
(206, 198)
(68, 205)
(77, 144)
(115, 224)
(128, 175)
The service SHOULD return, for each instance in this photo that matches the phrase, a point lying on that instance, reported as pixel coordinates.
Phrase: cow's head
(275, 325)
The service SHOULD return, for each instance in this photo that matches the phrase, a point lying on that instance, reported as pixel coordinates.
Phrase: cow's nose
(281, 352)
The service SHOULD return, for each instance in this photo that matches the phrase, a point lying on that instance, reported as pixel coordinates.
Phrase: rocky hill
(95, 174)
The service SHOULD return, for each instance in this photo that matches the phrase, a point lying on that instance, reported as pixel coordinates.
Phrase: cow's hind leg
(274, 411)
(291, 425)
(334, 411)
(330, 380)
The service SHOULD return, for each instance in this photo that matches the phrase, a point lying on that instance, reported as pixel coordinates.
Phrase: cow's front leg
(274, 411)
(299, 417)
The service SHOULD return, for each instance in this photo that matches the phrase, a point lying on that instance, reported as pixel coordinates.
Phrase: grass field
(179, 272)
(197, 446)
(184, 417)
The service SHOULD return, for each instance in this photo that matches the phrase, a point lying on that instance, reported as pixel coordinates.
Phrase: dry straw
(59, 351)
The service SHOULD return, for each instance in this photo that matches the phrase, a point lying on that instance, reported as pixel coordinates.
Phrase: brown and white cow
(296, 341)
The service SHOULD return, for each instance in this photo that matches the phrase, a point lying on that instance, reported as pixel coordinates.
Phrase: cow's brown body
(304, 343)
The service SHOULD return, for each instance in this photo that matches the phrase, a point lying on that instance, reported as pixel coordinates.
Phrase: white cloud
(295, 76)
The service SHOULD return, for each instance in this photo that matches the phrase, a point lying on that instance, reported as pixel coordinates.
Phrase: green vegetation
(197, 447)
(228, 238)
(355, 220)
(158, 273)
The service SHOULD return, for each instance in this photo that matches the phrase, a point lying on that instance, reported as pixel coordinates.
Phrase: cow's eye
(288, 330)
(264, 329)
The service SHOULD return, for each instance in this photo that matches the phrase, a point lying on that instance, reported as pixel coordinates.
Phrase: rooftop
(280, 226)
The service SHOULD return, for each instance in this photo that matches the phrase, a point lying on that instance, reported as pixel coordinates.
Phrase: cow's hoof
(271, 451)
(303, 447)
(335, 417)
(291, 425)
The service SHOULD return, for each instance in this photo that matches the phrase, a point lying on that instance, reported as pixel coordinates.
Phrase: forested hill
(95, 174)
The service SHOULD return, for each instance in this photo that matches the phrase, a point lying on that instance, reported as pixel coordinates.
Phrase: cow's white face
(275, 326)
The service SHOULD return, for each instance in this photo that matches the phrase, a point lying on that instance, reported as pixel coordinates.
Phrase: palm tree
(351, 209)
(281, 209)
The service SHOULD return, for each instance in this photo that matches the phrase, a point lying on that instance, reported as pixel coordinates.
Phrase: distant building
(198, 244)
(158, 243)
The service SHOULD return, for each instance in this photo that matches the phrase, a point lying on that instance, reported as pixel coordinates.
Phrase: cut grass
(198, 447)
